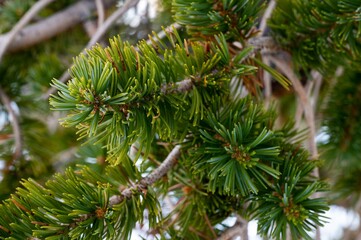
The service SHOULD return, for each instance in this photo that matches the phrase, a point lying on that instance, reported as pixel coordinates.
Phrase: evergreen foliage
(342, 145)
(205, 19)
(181, 119)
(319, 34)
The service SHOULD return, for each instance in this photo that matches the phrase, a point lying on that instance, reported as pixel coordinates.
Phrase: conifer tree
(213, 118)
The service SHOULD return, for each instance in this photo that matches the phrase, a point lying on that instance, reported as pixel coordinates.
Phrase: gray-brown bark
(53, 25)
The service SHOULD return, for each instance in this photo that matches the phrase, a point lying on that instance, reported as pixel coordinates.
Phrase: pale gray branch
(308, 111)
(90, 27)
(100, 10)
(263, 43)
(267, 14)
(307, 107)
(163, 168)
(267, 79)
(317, 77)
(51, 26)
(21, 24)
(178, 87)
(110, 21)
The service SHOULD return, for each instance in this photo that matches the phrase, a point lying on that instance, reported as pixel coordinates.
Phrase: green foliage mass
(125, 95)
(76, 206)
(321, 34)
(132, 103)
(25, 77)
(342, 127)
(205, 19)
(149, 91)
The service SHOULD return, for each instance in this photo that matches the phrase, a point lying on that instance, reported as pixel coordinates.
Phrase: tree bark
(53, 25)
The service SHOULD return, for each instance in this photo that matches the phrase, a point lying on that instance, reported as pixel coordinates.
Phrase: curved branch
(267, 79)
(51, 26)
(307, 107)
(100, 10)
(267, 14)
(23, 21)
(15, 125)
(110, 20)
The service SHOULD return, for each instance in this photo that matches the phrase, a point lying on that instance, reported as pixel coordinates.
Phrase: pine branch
(309, 115)
(65, 76)
(205, 19)
(15, 125)
(320, 35)
(97, 35)
(125, 95)
(157, 174)
(180, 87)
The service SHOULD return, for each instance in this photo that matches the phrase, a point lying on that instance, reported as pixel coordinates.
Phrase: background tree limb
(23, 21)
(51, 26)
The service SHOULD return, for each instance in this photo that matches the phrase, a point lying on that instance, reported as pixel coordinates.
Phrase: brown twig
(210, 225)
(21, 24)
(157, 174)
(15, 125)
(200, 234)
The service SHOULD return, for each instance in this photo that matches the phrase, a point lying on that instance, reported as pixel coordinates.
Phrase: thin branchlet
(157, 174)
